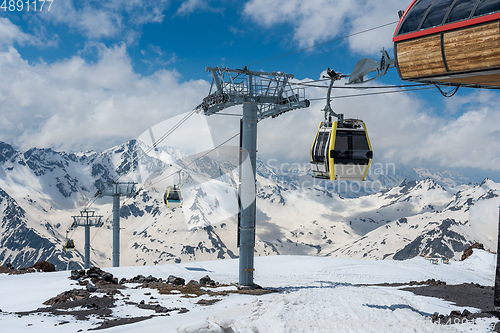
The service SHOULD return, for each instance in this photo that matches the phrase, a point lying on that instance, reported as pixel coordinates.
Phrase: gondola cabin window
(486, 7)
(426, 14)
(415, 16)
(351, 147)
(436, 16)
(323, 140)
(461, 10)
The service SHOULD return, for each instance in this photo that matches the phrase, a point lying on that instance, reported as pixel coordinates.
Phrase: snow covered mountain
(437, 222)
(41, 189)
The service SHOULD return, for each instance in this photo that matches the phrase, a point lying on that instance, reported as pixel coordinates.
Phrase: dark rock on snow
(468, 251)
(176, 280)
(44, 266)
(91, 288)
(207, 281)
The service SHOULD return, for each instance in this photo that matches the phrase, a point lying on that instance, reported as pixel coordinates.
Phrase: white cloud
(322, 20)
(372, 13)
(75, 105)
(471, 140)
(189, 6)
(10, 34)
(107, 18)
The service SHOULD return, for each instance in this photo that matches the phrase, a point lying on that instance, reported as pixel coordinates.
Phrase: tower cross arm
(271, 91)
(87, 218)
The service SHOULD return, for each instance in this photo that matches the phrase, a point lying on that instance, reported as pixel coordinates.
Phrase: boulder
(207, 281)
(91, 288)
(468, 251)
(176, 280)
(75, 275)
(44, 266)
(108, 277)
(95, 271)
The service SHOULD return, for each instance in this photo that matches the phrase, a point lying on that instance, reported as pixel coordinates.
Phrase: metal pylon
(262, 95)
(87, 219)
(116, 190)
(496, 298)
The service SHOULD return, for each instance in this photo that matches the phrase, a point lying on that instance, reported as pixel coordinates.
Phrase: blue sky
(93, 74)
(184, 35)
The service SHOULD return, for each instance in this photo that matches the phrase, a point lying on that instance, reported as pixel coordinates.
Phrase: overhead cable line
(305, 84)
(371, 94)
(194, 161)
(137, 159)
(308, 84)
(227, 114)
(162, 179)
(450, 93)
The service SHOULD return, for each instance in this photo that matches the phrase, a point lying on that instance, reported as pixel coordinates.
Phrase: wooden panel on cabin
(474, 48)
(492, 80)
(420, 57)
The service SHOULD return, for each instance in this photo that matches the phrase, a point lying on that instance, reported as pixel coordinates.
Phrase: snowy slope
(316, 295)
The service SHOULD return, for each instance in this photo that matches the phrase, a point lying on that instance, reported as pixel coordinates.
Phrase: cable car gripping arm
(366, 66)
(329, 113)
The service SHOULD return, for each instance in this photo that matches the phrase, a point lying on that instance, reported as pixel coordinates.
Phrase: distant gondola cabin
(450, 42)
(173, 197)
(69, 245)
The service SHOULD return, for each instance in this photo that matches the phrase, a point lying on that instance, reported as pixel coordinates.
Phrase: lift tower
(262, 95)
(87, 219)
(116, 190)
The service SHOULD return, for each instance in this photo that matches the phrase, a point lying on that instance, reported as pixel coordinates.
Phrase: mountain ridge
(292, 218)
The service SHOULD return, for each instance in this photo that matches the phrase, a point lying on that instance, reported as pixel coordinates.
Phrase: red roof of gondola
(447, 27)
(441, 28)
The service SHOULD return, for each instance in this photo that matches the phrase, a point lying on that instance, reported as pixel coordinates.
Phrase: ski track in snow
(317, 295)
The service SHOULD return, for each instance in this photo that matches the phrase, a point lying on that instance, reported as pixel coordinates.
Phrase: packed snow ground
(317, 295)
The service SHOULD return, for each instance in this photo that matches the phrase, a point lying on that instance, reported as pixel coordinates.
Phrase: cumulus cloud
(403, 128)
(106, 18)
(318, 21)
(75, 105)
(470, 140)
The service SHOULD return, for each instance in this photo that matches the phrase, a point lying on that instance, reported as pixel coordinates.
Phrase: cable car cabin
(341, 151)
(69, 245)
(450, 42)
(173, 197)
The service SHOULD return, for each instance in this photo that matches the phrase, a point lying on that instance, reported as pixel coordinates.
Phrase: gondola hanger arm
(334, 76)
(366, 66)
